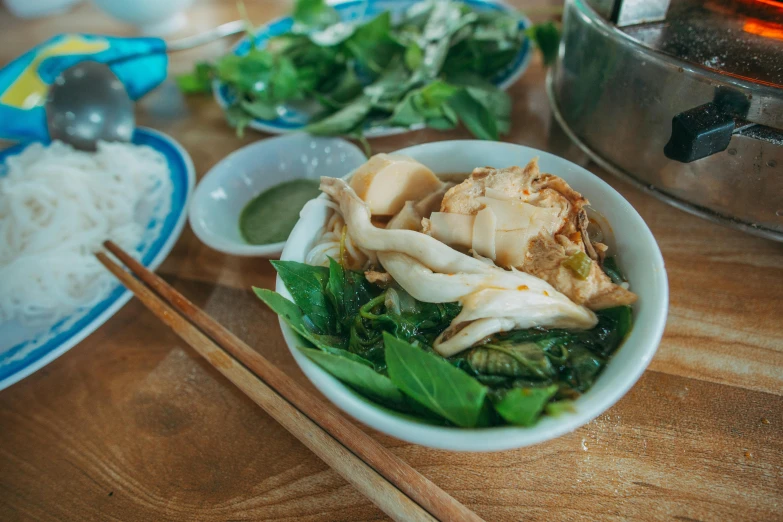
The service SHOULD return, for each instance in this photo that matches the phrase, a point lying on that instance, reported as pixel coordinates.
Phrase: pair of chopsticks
(389, 482)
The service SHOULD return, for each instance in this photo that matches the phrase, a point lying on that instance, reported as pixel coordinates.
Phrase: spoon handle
(221, 31)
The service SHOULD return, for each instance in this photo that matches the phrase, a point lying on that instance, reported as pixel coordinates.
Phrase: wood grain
(130, 425)
(321, 442)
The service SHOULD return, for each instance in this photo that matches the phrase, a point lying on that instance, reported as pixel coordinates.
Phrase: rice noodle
(57, 205)
(328, 244)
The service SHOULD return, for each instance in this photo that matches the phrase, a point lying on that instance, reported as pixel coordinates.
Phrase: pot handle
(699, 132)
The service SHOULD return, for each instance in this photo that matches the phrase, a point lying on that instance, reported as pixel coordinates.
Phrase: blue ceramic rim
(183, 181)
(283, 25)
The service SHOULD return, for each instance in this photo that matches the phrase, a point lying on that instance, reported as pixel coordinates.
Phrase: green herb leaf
(199, 81)
(238, 118)
(314, 14)
(512, 360)
(613, 271)
(523, 406)
(434, 383)
(259, 109)
(475, 116)
(360, 377)
(585, 366)
(547, 38)
(371, 43)
(413, 56)
(350, 290)
(557, 408)
(307, 285)
(343, 121)
(292, 315)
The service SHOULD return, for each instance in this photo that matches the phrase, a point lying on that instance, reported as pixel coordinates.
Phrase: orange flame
(765, 29)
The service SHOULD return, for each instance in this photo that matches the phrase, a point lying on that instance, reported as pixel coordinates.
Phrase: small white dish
(638, 256)
(245, 173)
(152, 17)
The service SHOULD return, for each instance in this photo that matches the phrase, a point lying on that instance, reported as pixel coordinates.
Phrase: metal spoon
(87, 103)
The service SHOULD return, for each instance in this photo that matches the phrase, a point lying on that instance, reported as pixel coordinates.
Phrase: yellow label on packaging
(29, 90)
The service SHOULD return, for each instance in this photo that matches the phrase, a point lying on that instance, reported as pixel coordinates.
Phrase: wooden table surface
(131, 425)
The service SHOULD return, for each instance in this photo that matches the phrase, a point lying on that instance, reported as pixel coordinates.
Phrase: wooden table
(131, 425)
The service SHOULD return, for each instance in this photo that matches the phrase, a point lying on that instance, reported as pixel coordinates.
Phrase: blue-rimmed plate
(25, 348)
(293, 119)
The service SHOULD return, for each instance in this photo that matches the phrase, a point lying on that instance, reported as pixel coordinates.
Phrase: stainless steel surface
(704, 212)
(630, 12)
(725, 36)
(616, 97)
(87, 104)
(221, 31)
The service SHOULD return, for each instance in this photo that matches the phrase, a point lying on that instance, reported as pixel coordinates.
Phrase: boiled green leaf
(307, 285)
(434, 383)
(613, 271)
(359, 376)
(349, 290)
(523, 406)
(292, 315)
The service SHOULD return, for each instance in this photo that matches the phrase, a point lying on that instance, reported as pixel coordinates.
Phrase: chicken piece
(382, 279)
(551, 234)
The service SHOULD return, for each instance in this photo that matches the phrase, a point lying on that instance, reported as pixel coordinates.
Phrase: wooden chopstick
(421, 490)
(381, 492)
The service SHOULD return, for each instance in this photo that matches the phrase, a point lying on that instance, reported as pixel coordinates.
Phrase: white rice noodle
(328, 245)
(57, 206)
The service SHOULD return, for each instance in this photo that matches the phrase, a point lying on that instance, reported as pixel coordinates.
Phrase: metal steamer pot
(703, 135)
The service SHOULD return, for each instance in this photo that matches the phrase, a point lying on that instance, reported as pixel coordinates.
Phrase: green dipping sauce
(270, 217)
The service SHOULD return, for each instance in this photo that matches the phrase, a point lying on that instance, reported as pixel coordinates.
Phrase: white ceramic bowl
(638, 255)
(152, 17)
(242, 175)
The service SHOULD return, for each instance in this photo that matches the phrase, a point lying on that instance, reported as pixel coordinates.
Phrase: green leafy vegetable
(523, 406)
(343, 121)
(360, 377)
(350, 290)
(547, 38)
(613, 271)
(314, 14)
(434, 383)
(379, 342)
(476, 117)
(378, 72)
(292, 315)
(307, 285)
(199, 81)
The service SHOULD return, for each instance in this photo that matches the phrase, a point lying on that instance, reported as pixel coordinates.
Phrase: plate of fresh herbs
(370, 68)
